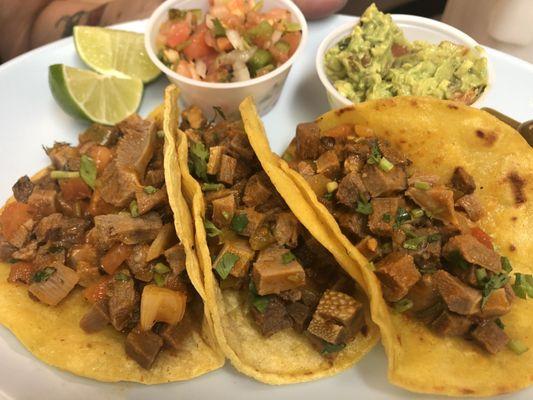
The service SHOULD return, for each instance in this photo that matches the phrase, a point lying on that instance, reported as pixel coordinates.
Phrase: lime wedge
(98, 98)
(114, 52)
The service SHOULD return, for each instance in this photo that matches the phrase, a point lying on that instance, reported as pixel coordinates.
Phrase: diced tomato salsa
(234, 41)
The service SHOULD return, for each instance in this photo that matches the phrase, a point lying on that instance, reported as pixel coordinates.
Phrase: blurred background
(501, 24)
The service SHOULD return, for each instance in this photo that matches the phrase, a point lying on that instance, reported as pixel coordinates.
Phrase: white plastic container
(414, 28)
(265, 89)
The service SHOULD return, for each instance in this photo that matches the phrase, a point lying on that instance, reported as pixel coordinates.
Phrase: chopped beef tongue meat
(419, 232)
(67, 229)
(259, 247)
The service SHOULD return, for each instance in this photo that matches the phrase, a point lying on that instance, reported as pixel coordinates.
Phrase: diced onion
(236, 39)
(162, 242)
(56, 287)
(209, 21)
(276, 36)
(236, 56)
(240, 72)
(159, 304)
(201, 68)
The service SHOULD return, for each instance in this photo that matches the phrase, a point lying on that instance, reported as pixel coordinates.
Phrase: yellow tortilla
(285, 357)
(53, 335)
(439, 136)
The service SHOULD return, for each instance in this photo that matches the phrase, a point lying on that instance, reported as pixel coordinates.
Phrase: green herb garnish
(225, 264)
(506, 264)
(385, 165)
(386, 217)
(417, 213)
(523, 285)
(43, 275)
(414, 243)
(161, 268)
(134, 209)
(149, 189)
(261, 303)
(375, 155)
(211, 229)
(199, 157)
(363, 206)
(64, 174)
(422, 185)
(402, 215)
(457, 259)
(494, 282)
(435, 237)
(517, 346)
(239, 222)
(218, 28)
(481, 275)
(329, 196)
(159, 279)
(122, 277)
(403, 305)
(500, 324)
(88, 170)
(287, 257)
(212, 187)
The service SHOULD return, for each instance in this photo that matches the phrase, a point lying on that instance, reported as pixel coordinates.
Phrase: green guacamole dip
(377, 61)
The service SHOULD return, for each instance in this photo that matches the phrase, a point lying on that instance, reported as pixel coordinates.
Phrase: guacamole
(377, 61)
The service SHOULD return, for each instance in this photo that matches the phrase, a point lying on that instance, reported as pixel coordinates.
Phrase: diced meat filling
(397, 273)
(463, 181)
(23, 189)
(223, 210)
(143, 346)
(226, 174)
(473, 251)
(215, 159)
(273, 319)
(256, 191)
(127, 229)
(459, 297)
(274, 276)
(433, 262)
(97, 318)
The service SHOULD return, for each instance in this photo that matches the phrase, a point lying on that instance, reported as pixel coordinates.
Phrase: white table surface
(29, 118)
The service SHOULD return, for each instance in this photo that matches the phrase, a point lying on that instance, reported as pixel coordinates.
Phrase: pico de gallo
(233, 41)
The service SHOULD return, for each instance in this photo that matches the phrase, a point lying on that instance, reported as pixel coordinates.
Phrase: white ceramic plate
(29, 118)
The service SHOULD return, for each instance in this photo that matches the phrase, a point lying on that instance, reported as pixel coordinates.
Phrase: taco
(433, 200)
(94, 279)
(283, 308)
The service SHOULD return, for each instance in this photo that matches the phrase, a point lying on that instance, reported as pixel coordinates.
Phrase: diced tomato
(98, 206)
(398, 50)
(21, 272)
(482, 237)
(178, 33)
(223, 44)
(74, 189)
(293, 39)
(101, 155)
(115, 257)
(15, 214)
(198, 47)
(279, 55)
(97, 291)
(339, 131)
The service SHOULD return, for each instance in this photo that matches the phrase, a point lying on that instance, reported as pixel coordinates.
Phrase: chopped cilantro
(225, 264)
(481, 275)
(402, 215)
(239, 222)
(199, 156)
(523, 285)
(161, 268)
(150, 189)
(415, 243)
(375, 155)
(329, 196)
(364, 206)
(457, 259)
(496, 281)
(211, 229)
(88, 170)
(261, 303)
(43, 275)
(159, 279)
(500, 324)
(288, 257)
(386, 217)
(506, 264)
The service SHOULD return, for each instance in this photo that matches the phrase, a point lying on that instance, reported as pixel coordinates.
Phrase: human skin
(316, 9)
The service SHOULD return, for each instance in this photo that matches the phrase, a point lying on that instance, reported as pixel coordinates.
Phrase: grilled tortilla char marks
(69, 234)
(433, 262)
